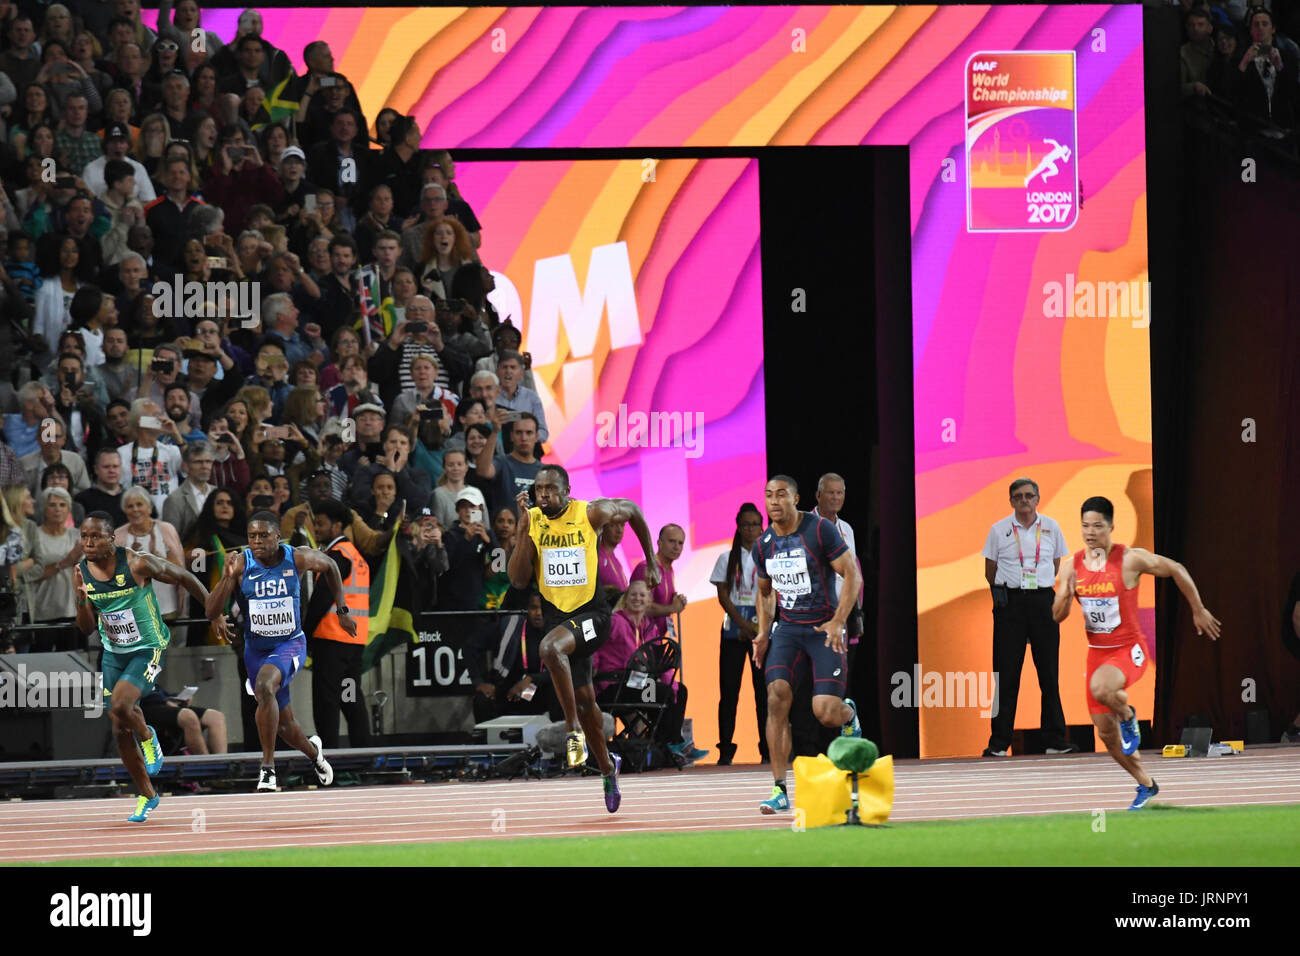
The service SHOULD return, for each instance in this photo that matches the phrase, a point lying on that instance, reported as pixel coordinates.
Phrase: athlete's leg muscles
(555, 650)
(293, 734)
(779, 698)
(1107, 687)
(831, 710)
(593, 725)
(265, 686)
(128, 729)
(1108, 730)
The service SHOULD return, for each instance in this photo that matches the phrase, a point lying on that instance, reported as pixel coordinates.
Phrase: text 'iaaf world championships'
(1046, 94)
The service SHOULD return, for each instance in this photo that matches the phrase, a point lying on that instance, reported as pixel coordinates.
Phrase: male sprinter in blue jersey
(797, 558)
(268, 577)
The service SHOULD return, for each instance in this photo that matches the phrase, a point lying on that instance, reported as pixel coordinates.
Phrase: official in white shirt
(1022, 554)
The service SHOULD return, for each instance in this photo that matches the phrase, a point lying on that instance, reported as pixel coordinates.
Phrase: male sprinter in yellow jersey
(575, 615)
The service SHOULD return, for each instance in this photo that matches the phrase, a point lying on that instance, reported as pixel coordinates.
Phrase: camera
(263, 501)
(431, 414)
(162, 366)
(226, 437)
(415, 328)
(328, 81)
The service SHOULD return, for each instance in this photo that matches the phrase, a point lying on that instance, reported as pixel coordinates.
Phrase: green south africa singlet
(129, 619)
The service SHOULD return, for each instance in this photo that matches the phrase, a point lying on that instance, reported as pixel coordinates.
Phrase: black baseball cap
(117, 131)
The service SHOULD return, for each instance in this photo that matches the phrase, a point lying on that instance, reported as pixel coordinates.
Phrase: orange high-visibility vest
(356, 594)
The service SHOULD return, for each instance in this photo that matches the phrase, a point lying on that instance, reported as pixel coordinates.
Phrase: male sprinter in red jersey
(557, 539)
(798, 557)
(1104, 577)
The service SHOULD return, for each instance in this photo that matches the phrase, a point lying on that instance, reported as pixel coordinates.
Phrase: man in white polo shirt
(1021, 557)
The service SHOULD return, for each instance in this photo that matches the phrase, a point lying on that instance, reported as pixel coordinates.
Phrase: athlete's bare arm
(522, 558)
(1139, 561)
(85, 610)
(766, 612)
(845, 566)
(147, 567)
(234, 571)
(1064, 594)
(604, 510)
(309, 559)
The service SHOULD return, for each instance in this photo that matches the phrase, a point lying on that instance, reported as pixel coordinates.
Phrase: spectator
(444, 255)
(63, 276)
(336, 654)
(609, 569)
(168, 216)
(22, 428)
(340, 290)
(455, 468)
(506, 338)
(383, 127)
(403, 290)
(1221, 77)
(413, 484)
(399, 166)
(272, 374)
(469, 554)
(22, 61)
(117, 142)
(118, 418)
(1022, 584)
(145, 534)
(343, 165)
(176, 399)
(124, 211)
(369, 421)
(180, 724)
(457, 208)
(229, 466)
(182, 507)
(17, 506)
(470, 411)
(58, 476)
(426, 393)
(275, 64)
(463, 329)
(52, 438)
(1196, 54)
(321, 489)
(1266, 87)
(735, 577)
(378, 218)
(90, 320)
(154, 466)
(830, 501)
(77, 143)
(517, 682)
(78, 402)
(419, 334)
(281, 316)
(34, 111)
(515, 396)
(497, 583)
(665, 600)
(433, 206)
(120, 379)
(292, 168)
(50, 550)
(129, 10)
(106, 493)
(221, 524)
(240, 179)
(516, 471)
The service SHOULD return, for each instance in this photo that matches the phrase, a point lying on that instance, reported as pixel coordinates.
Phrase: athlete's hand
(834, 631)
(235, 566)
(1206, 623)
(82, 595)
(221, 627)
(349, 625)
(653, 574)
(525, 514)
(760, 649)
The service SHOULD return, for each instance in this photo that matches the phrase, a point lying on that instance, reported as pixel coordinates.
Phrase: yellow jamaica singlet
(566, 556)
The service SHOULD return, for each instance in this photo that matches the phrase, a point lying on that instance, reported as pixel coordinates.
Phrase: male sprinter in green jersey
(116, 585)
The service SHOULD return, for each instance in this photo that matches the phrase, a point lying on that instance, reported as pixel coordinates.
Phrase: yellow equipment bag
(823, 793)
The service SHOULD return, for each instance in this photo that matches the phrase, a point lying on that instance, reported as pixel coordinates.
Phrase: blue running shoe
(854, 727)
(143, 807)
(1144, 794)
(153, 755)
(612, 795)
(777, 801)
(1129, 735)
(694, 753)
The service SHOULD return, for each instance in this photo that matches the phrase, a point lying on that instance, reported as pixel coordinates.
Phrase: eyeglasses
(168, 45)
(1024, 497)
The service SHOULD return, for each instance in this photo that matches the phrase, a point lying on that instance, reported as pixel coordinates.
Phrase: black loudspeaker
(1257, 729)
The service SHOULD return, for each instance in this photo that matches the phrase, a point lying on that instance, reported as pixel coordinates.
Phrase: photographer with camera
(419, 334)
(229, 466)
(78, 401)
(463, 329)
(1266, 89)
(147, 462)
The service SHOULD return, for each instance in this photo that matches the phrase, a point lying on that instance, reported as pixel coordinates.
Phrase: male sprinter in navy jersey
(797, 558)
(268, 577)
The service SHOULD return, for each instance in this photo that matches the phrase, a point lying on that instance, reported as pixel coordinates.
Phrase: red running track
(705, 798)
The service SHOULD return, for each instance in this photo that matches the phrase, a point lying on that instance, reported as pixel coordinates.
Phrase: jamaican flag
(394, 604)
(277, 108)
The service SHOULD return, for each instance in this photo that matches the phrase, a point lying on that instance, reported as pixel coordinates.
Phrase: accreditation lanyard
(1038, 544)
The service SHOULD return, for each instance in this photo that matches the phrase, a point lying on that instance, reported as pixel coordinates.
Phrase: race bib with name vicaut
(120, 627)
(564, 567)
(272, 617)
(789, 574)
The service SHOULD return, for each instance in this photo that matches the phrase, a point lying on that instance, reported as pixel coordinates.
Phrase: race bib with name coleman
(564, 567)
(272, 617)
(120, 627)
